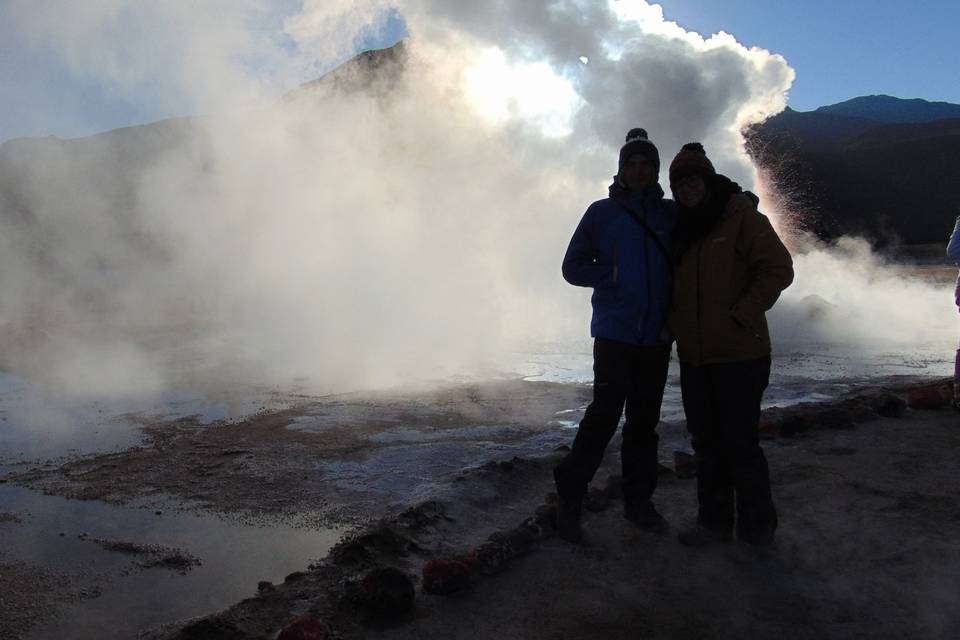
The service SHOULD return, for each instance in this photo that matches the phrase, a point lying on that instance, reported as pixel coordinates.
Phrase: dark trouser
(956, 378)
(722, 403)
(622, 374)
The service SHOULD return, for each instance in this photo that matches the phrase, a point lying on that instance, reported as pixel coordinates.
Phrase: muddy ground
(869, 542)
(330, 463)
(296, 461)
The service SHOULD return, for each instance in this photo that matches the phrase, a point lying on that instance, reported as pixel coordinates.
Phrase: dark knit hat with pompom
(638, 143)
(692, 160)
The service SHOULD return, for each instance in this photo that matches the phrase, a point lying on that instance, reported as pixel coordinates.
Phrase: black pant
(622, 374)
(722, 403)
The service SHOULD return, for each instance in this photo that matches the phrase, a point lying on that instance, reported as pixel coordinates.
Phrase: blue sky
(839, 49)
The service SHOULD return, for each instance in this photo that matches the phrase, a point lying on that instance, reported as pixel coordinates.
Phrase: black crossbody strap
(643, 223)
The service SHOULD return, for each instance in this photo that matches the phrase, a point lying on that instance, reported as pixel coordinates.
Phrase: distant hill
(890, 110)
(877, 166)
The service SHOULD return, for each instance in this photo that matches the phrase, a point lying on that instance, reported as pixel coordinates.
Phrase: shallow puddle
(234, 558)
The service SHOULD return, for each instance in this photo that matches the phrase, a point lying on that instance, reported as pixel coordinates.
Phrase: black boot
(568, 520)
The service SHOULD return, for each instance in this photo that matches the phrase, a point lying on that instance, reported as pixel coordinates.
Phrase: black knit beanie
(638, 143)
(692, 160)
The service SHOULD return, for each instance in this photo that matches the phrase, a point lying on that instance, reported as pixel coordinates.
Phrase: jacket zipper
(699, 308)
(646, 258)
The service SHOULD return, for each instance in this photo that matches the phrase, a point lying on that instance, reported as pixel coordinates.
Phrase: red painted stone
(443, 576)
(305, 627)
(928, 398)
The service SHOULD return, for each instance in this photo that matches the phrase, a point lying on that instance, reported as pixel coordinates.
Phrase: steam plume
(412, 227)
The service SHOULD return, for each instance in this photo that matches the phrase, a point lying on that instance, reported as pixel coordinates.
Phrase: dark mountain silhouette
(881, 167)
(890, 110)
(377, 70)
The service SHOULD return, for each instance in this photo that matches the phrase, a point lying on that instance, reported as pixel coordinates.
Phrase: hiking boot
(701, 536)
(646, 517)
(568, 520)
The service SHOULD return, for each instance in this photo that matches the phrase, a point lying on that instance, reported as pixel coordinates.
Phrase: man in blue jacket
(620, 250)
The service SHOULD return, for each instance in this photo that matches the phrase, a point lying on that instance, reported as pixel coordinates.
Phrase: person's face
(690, 191)
(638, 173)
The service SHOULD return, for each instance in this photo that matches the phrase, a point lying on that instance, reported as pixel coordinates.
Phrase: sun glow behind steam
(530, 91)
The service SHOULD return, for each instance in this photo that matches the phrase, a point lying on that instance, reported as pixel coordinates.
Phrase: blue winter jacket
(630, 275)
(953, 247)
(953, 250)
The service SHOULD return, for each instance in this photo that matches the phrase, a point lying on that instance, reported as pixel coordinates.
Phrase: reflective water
(234, 557)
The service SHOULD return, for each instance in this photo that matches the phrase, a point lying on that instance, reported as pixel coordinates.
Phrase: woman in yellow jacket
(731, 269)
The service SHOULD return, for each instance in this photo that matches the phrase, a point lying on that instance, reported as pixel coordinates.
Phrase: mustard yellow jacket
(725, 283)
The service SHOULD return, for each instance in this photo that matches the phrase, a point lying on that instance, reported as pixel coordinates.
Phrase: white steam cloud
(348, 237)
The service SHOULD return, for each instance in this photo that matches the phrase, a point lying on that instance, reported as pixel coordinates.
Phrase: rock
(305, 627)
(861, 411)
(794, 423)
(596, 500)
(264, 586)
(518, 540)
(422, 515)
(492, 558)
(684, 464)
(387, 592)
(443, 576)
(377, 541)
(546, 515)
(889, 405)
(614, 487)
(929, 398)
(768, 429)
(836, 418)
(214, 629)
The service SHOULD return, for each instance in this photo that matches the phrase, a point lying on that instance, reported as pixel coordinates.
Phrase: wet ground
(121, 569)
(234, 489)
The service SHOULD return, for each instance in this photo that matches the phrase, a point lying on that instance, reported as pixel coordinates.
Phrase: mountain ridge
(892, 110)
(857, 168)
